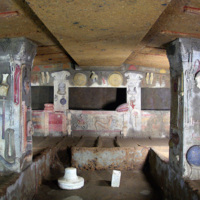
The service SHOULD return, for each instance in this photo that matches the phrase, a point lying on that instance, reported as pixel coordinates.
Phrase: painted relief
(193, 155)
(80, 122)
(102, 123)
(9, 152)
(7, 139)
(4, 86)
(156, 123)
(48, 122)
(80, 79)
(57, 123)
(115, 79)
(97, 121)
(149, 78)
(69, 125)
(45, 78)
(94, 77)
(17, 75)
(134, 100)
(156, 80)
(60, 90)
(38, 119)
(133, 88)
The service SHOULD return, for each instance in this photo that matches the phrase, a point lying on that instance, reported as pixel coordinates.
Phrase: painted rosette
(193, 155)
(122, 108)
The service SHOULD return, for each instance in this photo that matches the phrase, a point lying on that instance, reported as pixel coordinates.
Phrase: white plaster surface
(116, 176)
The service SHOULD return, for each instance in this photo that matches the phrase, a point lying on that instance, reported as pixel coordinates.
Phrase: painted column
(16, 57)
(61, 84)
(134, 101)
(184, 57)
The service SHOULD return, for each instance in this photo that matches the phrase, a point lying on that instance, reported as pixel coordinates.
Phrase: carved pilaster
(134, 100)
(61, 100)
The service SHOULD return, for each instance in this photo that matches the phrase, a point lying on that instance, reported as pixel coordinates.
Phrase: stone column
(134, 101)
(184, 154)
(16, 58)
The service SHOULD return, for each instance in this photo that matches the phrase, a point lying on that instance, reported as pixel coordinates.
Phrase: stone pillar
(16, 58)
(61, 99)
(184, 154)
(134, 101)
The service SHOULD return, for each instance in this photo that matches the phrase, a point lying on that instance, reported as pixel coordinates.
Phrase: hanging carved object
(94, 77)
(115, 79)
(197, 79)
(43, 78)
(10, 145)
(80, 79)
(47, 77)
(26, 85)
(4, 86)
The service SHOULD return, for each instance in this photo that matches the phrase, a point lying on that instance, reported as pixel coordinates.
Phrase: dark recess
(41, 95)
(155, 98)
(96, 98)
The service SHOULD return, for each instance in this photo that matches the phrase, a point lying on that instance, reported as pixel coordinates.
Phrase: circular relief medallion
(193, 155)
(115, 79)
(80, 79)
(63, 101)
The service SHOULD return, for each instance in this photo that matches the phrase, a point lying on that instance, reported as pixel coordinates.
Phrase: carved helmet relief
(197, 79)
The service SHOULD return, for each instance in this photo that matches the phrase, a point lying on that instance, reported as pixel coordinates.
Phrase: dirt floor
(134, 186)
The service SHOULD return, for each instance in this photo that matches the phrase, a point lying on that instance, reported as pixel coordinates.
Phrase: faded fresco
(50, 123)
(155, 124)
(100, 121)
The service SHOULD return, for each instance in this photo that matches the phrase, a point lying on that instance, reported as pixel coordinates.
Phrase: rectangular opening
(96, 98)
(41, 95)
(155, 98)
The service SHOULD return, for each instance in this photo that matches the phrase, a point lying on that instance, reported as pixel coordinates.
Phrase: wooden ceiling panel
(98, 32)
(149, 57)
(180, 19)
(17, 21)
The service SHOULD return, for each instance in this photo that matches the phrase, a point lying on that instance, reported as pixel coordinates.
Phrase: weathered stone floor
(134, 186)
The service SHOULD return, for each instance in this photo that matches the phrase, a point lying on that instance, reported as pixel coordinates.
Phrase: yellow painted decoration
(80, 79)
(115, 79)
(163, 71)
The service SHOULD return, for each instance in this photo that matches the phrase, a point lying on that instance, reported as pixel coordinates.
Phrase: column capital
(19, 50)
